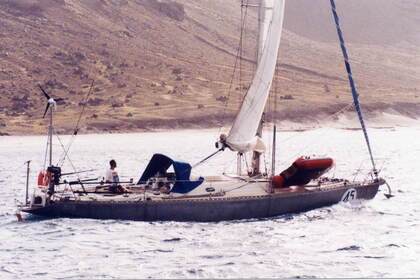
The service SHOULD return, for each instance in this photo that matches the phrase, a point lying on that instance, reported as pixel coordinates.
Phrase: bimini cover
(160, 164)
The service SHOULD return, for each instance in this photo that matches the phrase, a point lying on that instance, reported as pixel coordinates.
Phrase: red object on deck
(41, 178)
(47, 178)
(302, 171)
(316, 163)
(278, 181)
(44, 179)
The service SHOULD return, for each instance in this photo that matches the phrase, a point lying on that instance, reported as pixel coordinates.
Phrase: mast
(27, 181)
(50, 132)
(352, 84)
(51, 103)
(262, 7)
(256, 156)
(273, 159)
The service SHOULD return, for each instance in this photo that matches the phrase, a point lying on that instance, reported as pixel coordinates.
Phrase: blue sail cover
(182, 173)
(160, 164)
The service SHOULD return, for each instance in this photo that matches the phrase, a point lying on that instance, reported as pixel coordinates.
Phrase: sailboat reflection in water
(163, 195)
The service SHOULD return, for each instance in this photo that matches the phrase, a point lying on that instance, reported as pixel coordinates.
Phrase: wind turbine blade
(46, 110)
(59, 100)
(46, 94)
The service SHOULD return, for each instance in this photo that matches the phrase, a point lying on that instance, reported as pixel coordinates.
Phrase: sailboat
(165, 191)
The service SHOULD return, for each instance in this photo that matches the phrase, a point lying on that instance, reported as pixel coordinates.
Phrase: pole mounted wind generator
(53, 173)
(51, 101)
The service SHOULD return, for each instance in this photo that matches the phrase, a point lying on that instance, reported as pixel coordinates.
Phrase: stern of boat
(39, 204)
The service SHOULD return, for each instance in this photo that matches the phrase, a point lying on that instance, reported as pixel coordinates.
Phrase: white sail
(242, 136)
(264, 19)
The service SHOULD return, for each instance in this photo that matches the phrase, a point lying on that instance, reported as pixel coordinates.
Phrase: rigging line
(345, 108)
(235, 66)
(241, 186)
(352, 84)
(62, 146)
(241, 45)
(84, 101)
(61, 143)
(385, 162)
(64, 152)
(241, 53)
(272, 108)
(66, 155)
(245, 184)
(229, 164)
(358, 171)
(265, 164)
(61, 162)
(276, 93)
(274, 114)
(76, 129)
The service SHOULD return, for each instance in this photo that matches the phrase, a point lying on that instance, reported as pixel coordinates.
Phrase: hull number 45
(349, 195)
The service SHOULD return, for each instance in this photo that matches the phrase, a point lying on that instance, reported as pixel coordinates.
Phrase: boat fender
(278, 181)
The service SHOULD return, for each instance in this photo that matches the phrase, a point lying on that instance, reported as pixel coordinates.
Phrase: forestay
(242, 136)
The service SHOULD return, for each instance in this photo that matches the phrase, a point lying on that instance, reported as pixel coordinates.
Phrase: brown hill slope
(169, 64)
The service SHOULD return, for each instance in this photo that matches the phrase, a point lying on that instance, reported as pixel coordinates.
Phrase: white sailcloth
(242, 136)
(264, 18)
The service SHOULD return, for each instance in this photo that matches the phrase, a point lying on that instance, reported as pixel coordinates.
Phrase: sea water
(369, 239)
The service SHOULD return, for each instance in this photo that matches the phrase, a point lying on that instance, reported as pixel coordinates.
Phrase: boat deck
(213, 188)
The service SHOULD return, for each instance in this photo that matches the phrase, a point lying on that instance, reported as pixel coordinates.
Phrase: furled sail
(242, 136)
(264, 19)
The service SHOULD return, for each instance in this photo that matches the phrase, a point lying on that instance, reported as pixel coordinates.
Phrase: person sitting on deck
(111, 176)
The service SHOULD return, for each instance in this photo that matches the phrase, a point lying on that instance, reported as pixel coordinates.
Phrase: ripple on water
(158, 251)
(350, 248)
(175, 239)
(212, 257)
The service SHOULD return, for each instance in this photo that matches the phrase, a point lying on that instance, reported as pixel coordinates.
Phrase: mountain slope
(170, 63)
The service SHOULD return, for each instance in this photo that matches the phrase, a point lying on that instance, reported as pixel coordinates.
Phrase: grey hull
(205, 210)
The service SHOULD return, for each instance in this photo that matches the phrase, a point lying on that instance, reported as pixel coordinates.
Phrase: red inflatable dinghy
(302, 171)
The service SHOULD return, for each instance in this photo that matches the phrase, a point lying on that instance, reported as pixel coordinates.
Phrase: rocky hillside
(166, 64)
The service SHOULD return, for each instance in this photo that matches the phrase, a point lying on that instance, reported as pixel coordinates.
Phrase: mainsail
(242, 136)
